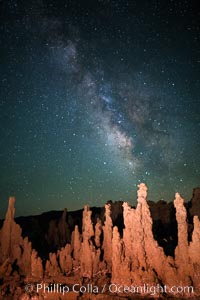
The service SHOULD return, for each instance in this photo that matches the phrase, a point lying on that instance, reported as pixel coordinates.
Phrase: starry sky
(97, 96)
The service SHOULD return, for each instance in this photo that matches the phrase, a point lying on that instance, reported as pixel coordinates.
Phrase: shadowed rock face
(164, 225)
(194, 204)
(151, 244)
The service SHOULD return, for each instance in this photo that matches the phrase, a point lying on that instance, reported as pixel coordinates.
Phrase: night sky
(96, 97)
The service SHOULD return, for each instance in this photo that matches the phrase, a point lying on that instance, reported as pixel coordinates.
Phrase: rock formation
(65, 259)
(107, 237)
(139, 251)
(195, 203)
(89, 255)
(98, 231)
(13, 248)
(101, 253)
(10, 236)
(25, 259)
(181, 251)
(59, 232)
(194, 253)
(36, 265)
(76, 247)
(52, 269)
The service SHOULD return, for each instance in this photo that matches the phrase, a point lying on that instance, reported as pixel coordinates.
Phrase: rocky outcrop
(161, 210)
(13, 248)
(98, 232)
(195, 203)
(107, 237)
(10, 236)
(89, 255)
(86, 245)
(101, 253)
(65, 259)
(194, 246)
(194, 253)
(135, 256)
(58, 232)
(25, 260)
(36, 265)
(5, 268)
(181, 251)
(52, 269)
(76, 247)
(120, 266)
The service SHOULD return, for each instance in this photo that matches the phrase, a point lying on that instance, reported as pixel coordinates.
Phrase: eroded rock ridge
(100, 254)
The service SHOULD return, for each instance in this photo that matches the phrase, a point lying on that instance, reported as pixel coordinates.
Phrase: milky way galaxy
(97, 97)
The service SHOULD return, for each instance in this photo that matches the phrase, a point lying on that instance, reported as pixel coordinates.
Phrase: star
(99, 102)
